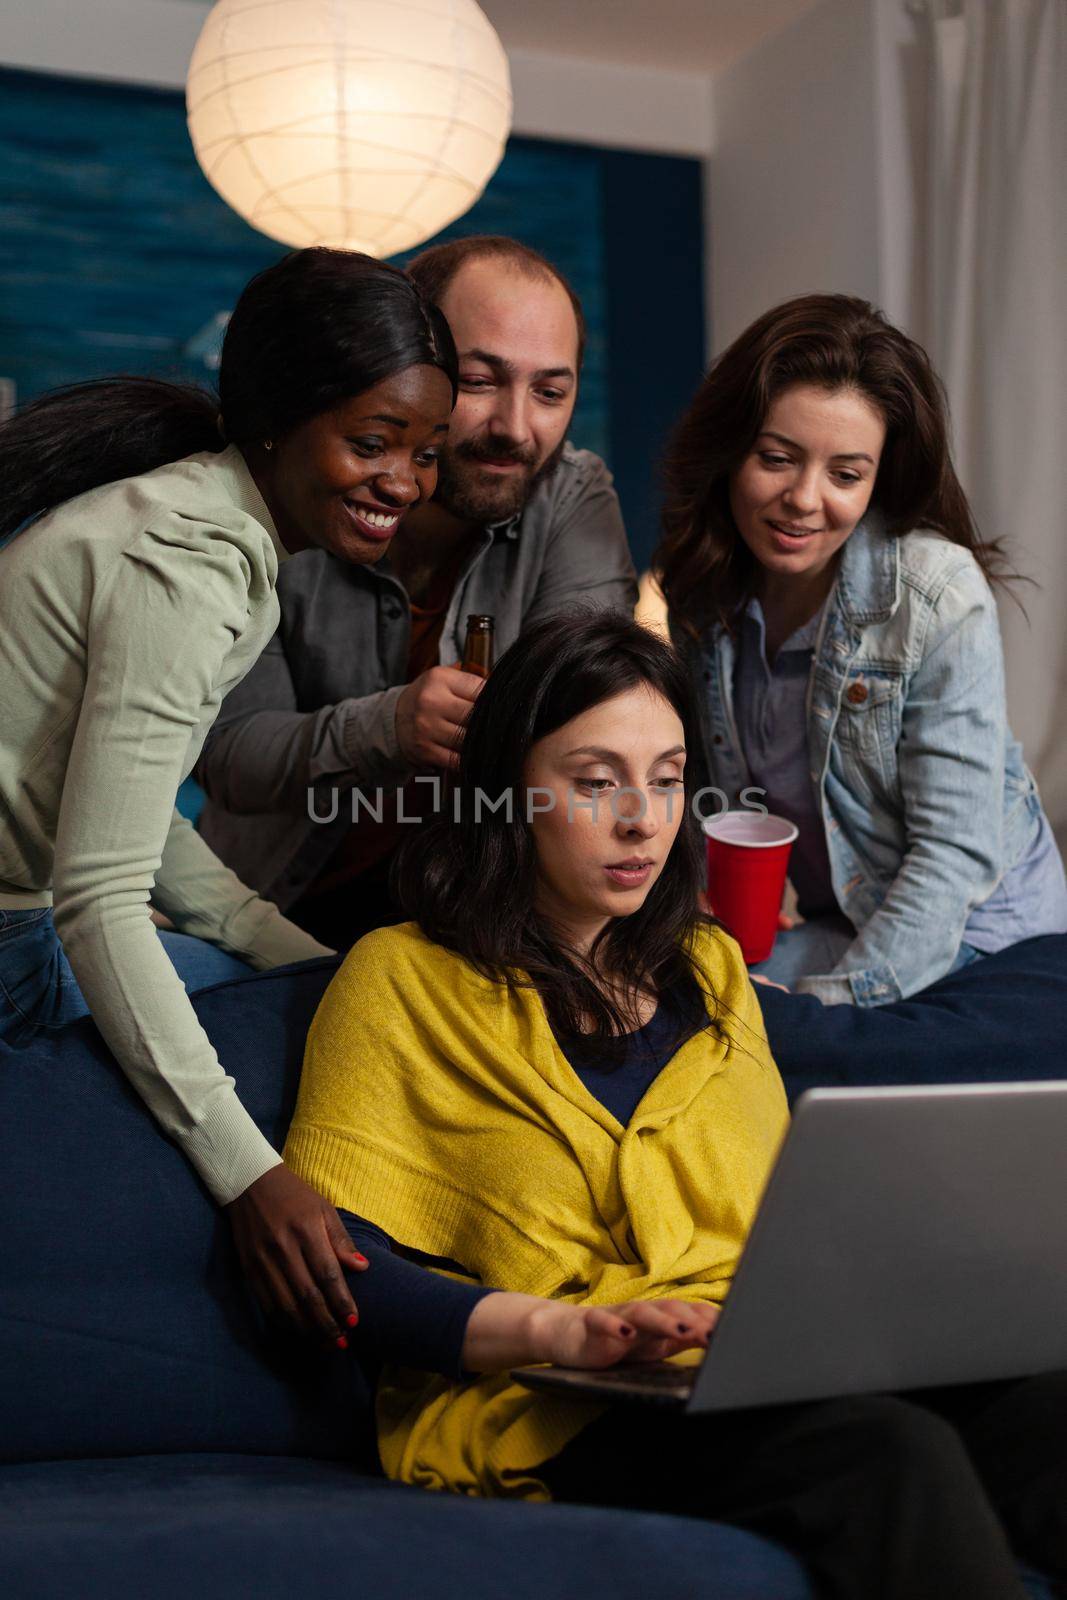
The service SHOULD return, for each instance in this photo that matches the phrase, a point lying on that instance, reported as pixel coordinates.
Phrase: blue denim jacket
(924, 794)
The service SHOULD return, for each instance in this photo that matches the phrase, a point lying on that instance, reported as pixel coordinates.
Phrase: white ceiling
(679, 35)
(675, 35)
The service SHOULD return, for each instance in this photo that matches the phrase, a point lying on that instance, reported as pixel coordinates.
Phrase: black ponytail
(77, 438)
(315, 329)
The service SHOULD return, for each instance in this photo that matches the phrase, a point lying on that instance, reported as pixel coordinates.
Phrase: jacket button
(857, 693)
(717, 739)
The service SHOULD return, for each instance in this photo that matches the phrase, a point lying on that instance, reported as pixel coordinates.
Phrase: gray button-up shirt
(318, 710)
(770, 708)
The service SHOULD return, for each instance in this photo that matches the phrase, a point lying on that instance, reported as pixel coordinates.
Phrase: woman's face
(808, 479)
(614, 778)
(343, 480)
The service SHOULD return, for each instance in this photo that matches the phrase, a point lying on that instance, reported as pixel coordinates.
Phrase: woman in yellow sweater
(556, 1087)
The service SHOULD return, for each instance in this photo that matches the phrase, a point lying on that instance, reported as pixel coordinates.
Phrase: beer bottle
(478, 650)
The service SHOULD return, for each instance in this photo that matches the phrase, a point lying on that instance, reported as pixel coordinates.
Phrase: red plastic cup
(748, 853)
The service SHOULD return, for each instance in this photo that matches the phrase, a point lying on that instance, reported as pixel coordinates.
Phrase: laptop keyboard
(658, 1383)
(650, 1375)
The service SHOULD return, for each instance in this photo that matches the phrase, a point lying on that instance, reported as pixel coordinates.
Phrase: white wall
(794, 168)
(634, 108)
(794, 196)
(138, 41)
(150, 42)
(901, 94)
(816, 179)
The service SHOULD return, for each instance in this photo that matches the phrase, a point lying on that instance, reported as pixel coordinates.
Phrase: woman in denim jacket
(825, 580)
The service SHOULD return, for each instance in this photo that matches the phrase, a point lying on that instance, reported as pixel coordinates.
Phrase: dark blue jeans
(39, 990)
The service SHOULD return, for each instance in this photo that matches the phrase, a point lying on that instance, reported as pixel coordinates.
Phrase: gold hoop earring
(268, 444)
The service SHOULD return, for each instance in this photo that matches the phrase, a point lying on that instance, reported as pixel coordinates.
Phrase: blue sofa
(154, 1443)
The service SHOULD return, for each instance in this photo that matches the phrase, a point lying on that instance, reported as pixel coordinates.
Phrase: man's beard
(472, 494)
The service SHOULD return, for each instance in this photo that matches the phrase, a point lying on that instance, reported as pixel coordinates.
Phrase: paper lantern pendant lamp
(364, 124)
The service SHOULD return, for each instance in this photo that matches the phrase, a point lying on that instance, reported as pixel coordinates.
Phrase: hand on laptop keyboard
(639, 1330)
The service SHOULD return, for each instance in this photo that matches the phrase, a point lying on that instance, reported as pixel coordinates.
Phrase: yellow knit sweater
(438, 1105)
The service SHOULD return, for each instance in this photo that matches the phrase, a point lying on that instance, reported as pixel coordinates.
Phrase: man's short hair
(433, 270)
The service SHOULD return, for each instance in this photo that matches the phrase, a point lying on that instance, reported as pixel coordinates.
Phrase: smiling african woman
(137, 586)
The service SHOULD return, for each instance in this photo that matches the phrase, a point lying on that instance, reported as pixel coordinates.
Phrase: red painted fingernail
(351, 1319)
(361, 1259)
(342, 1342)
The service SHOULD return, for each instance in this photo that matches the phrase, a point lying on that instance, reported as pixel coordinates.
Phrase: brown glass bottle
(478, 650)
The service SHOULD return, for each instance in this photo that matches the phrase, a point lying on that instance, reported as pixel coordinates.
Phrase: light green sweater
(125, 617)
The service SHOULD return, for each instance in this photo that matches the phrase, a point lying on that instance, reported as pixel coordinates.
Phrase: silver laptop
(907, 1238)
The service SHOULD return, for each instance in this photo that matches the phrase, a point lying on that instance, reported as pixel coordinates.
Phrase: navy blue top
(413, 1317)
(620, 1084)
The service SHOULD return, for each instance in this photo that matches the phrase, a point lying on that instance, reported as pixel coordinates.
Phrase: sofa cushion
(124, 1325)
(122, 1318)
(254, 1528)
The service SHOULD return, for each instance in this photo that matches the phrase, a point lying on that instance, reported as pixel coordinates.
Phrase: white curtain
(996, 323)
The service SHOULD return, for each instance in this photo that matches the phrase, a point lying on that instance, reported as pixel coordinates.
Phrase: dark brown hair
(470, 881)
(434, 269)
(832, 341)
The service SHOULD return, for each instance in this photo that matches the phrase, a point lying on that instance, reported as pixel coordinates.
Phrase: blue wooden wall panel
(115, 251)
(117, 255)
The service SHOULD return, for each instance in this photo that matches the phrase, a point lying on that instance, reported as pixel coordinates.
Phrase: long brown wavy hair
(833, 342)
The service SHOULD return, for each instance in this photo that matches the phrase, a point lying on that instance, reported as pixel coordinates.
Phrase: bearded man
(318, 761)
